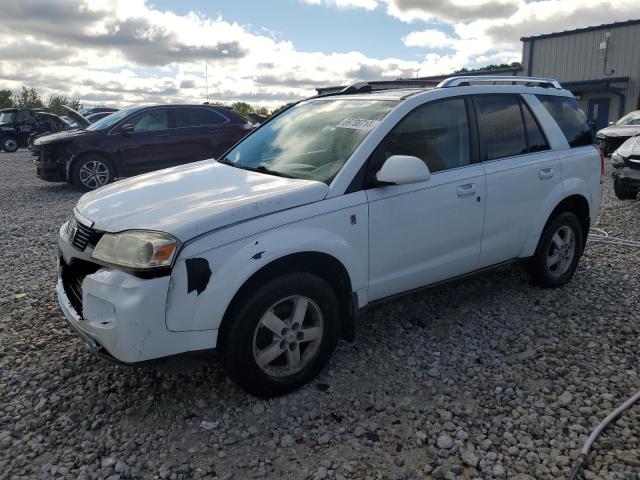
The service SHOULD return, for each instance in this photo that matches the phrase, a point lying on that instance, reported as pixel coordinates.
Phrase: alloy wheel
(288, 336)
(561, 251)
(10, 145)
(94, 174)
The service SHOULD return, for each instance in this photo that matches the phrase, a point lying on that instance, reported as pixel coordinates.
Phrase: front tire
(558, 252)
(281, 335)
(91, 172)
(10, 144)
(623, 192)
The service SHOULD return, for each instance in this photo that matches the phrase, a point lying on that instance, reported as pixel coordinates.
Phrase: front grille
(634, 162)
(72, 276)
(83, 235)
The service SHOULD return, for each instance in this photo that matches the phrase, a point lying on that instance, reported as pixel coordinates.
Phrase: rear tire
(558, 252)
(281, 335)
(92, 171)
(10, 144)
(623, 192)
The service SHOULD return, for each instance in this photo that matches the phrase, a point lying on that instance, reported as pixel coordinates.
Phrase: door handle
(467, 189)
(163, 135)
(546, 173)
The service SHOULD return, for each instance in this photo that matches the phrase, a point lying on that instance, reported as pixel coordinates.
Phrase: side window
(150, 120)
(195, 117)
(500, 122)
(437, 133)
(570, 118)
(24, 116)
(535, 138)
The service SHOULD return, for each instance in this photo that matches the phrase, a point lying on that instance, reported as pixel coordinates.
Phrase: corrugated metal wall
(576, 57)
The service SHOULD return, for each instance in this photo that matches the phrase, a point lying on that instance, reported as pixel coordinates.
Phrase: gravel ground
(487, 378)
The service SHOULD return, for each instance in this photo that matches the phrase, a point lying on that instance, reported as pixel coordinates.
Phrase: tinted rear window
(570, 118)
(535, 137)
(501, 125)
(195, 117)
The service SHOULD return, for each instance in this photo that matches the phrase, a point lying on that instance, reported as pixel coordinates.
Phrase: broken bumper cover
(123, 317)
(627, 176)
(48, 169)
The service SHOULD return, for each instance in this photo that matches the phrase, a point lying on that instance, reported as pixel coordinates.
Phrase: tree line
(30, 98)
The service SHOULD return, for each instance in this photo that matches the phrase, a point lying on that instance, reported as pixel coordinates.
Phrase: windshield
(7, 117)
(632, 118)
(311, 140)
(111, 120)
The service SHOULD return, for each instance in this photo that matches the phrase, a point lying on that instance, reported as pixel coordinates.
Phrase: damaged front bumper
(629, 177)
(48, 168)
(119, 316)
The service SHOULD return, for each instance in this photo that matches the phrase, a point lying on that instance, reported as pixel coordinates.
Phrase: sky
(265, 52)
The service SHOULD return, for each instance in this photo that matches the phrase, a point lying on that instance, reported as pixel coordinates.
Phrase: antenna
(206, 81)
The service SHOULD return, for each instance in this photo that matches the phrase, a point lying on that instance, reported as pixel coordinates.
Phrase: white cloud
(366, 4)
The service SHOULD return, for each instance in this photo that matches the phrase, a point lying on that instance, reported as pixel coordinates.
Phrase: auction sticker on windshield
(358, 123)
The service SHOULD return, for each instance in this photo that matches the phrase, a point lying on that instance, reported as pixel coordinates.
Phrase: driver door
(150, 146)
(430, 231)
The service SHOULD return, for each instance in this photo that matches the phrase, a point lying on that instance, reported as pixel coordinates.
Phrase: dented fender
(341, 234)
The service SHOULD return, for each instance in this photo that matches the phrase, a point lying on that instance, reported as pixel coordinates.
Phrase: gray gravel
(487, 378)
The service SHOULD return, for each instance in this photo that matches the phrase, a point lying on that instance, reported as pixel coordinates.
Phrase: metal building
(600, 65)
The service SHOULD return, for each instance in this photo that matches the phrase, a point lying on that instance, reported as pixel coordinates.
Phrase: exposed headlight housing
(617, 160)
(137, 249)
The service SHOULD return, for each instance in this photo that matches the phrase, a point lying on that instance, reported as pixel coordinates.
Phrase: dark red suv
(137, 140)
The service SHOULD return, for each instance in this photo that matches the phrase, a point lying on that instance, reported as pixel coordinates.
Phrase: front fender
(198, 300)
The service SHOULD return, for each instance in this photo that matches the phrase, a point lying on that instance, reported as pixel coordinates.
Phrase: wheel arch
(324, 265)
(578, 205)
(78, 156)
(575, 203)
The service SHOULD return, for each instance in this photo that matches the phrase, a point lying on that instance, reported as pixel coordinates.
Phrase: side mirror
(126, 128)
(612, 123)
(402, 170)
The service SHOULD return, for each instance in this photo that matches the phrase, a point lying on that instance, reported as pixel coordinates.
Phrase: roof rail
(458, 81)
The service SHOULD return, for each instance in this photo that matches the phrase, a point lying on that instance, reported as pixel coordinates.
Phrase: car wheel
(91, 172)
(558, 252)
(10, 144)
(282, 334)
(623, 192)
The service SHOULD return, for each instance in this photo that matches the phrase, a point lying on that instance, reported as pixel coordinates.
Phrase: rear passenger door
(521, 171)
(201, 132)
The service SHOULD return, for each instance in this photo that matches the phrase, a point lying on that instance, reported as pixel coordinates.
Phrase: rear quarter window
(570, 118)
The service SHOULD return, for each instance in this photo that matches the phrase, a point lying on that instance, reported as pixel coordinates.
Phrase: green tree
(5, 99)
(242, 108)
(263, 111)
(279, 109)
(56, 102)
(28, 98)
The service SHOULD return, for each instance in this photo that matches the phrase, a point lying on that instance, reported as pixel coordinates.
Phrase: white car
(269, 253)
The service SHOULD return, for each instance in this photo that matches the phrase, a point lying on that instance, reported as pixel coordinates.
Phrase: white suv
(268, 253)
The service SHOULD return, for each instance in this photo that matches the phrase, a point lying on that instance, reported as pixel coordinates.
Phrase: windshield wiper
(259, 168)
(268, 171)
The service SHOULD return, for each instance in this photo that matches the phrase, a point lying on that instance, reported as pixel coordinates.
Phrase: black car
(626, 173)
(88, 111)
(137, 140)
(611, 137)
(94, 117)
(17, 125)
(50, 123)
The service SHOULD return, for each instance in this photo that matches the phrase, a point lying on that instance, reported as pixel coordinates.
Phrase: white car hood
(193, 199)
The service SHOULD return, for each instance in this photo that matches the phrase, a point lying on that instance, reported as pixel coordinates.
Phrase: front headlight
(137, 249)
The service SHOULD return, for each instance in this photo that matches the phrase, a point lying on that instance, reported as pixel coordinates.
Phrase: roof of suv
(367, 90)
